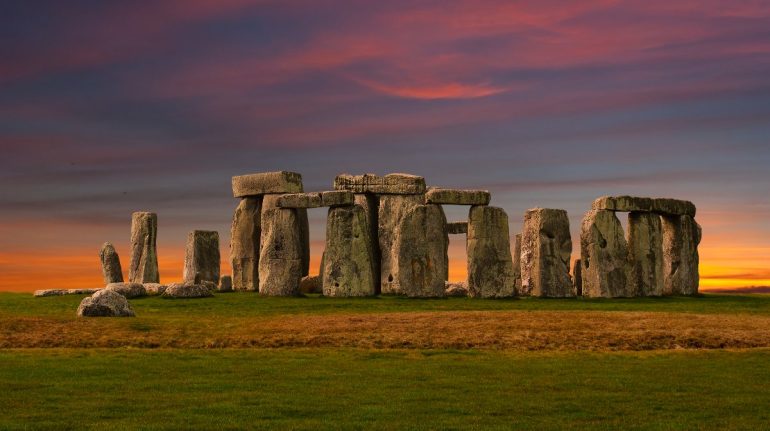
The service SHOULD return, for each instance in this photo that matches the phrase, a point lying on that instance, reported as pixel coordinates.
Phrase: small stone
(267, 182)
(457, 228)
(280, 257)
(337, 198)
(546, 249)
(201, 260)
(299, 200)
(185, 290)
(144, 254)
(681, 236)
(399, 184)
(311, 284)
(456, 289)
(392, 210)
(129, 290)
(604, 256)
(645, 254)
(105, 303)
(111, 269)
(244, 244)
(421, 243)
(154, 289)
(490, 265)
(347, 269)
(457, 197)
(225, 284)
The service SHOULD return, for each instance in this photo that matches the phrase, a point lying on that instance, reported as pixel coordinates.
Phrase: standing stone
(347, 269)
(244, 244)
(280, 256)
(272, 201)
(645, 254)
(370, 203)
(577, 278)
(110, 264)
(144, 257)
(392, 210)
(681, 236)
(546, 249)
(421, 251)
(490, 266)
(604, 256)
(225, 284)
(517, 266)
(201, 259)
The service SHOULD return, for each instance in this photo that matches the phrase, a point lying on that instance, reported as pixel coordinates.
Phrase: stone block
(604, 256)
(421, 251)
(280, 257)
(490, 265)
(144, 254)
(244, 244)
(299, 200)
(266, 182)
(645, 253)
(457, 197)
(111, 270)
(392, 209)
(348, 267)
(457, 228)
(546, 249)
(398, 184)
(681, 236)
(201, 261)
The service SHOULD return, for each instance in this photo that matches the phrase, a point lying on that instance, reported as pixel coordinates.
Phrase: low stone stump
(457, 197)
(392, 210)
(490, 265)
(225, 284)
(681, 236)
(187, 290)
(347, 263)
(105, 303)
(311, 284)
(266, 183)
(645, 247)
(111, 270)
(244, 244)
(457, 228)
(604, 256)
(421, 243)
(280, 257)
(546, 249)
(392, 184)
(144, 253)
(154, 289)
(129, 290)
(456, 289)
(201, 261)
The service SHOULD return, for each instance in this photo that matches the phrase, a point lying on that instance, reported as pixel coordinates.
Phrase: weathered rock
(456, 289)
(577, 278)
(299, 200)
(82, 291)
(129, 290)
(348, 265)
(603, 256)
(490, 265)
(517, 266)
(105, 303)
(421, 244)
(267, 182)
(457, 227)
(111, 269)
(681, 236)
(187, 290)
(201, 259)
(389, 184)
(622, 203)
(244, 244)
(280, 257)
(371, 206)
(337, 198)
(144, 255)
(311, 284)
(62, 292)
(673, 207)
(441, 196)
(645, 254)
(546, 249)
(392, 210)
(225, 284)
(154, 289)
(271, 201)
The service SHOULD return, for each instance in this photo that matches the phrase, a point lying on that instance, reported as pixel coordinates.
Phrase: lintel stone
(393, 184)
(266, 183)
(457, 197)
(457, 227)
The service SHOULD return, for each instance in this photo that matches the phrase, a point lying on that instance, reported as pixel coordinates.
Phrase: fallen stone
(244, 244)
(347, 269)
(201, 259)
(673, 207)
(546, 250)
(456, 289)
(129, 290)
(111, 269)
(299, 200)
(337, 198)
(105, 303)
(681, 236)
(577, 278)
(311, 284)
(267, 182)
(421, 243)
(62, 292)
(457, 227)
(517, 266)
(225, 284)
(398, 184)
(184, 290)
(280, 257)
(144, 255)
(392, 210)
(371, 206)
(154, 289)
(490, 265)
(603, 256)
(623, 203)
(645, 254)
(457, 197)
(82, 291)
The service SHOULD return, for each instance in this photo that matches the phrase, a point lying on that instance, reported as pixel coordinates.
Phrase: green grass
(359, 389)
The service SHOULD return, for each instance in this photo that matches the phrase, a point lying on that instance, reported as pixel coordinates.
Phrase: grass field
(242, 361)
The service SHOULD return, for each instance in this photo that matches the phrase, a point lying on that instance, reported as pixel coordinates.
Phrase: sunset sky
(112, 107)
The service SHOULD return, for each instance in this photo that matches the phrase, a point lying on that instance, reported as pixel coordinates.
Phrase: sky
(111, 107)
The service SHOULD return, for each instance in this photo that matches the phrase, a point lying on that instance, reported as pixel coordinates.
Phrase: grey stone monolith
(280, 256)
(546, 249)
(111, 270)
(244, 244)
(144, 255)
(604, 256)
(347, 269)
(370, 203)
(681, 236)
(645, 254)
(421, 244)
(271, 201)
(490, 265)
(201, 259)
(392, 209)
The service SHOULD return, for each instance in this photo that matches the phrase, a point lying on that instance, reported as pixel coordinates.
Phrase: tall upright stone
(546, 249)
(681, 236)
(490, 265)
(517, 265)
(347, 264)
(201, 260)
(604, 256)
(370, 203)
(271, 201)
(391, 212)
(280, 256)
(111, 269)
(421, 245)
(645, 254)
(244, 244)
(144, 255)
